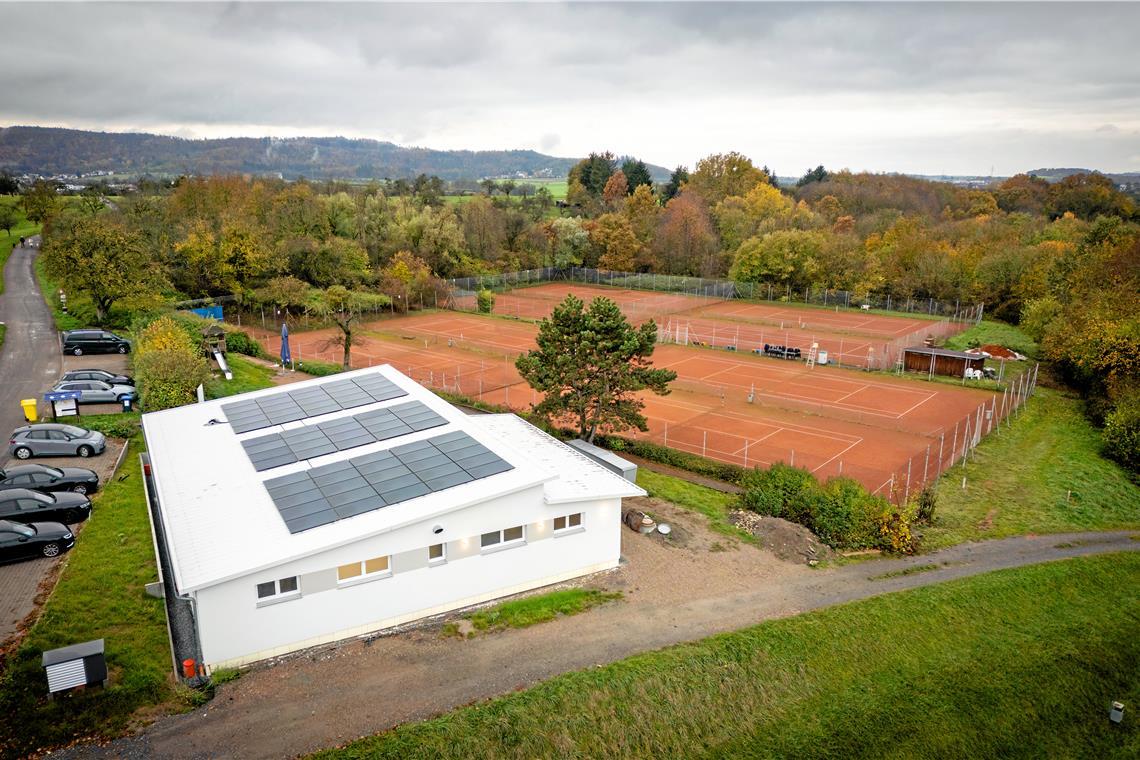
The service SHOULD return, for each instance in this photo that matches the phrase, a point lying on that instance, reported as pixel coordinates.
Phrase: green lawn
(713, 504)
(540, 608)
(99, 595)
(1017, 663)
(988, 331)
(49, 289)
(248, 376)
(1019, 479)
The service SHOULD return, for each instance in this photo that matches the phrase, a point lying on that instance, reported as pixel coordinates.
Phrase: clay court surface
(725, 405)
(849, 336)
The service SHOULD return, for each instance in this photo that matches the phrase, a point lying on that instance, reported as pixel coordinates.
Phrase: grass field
(99, 595)
(248, 376)
(987, 332)
(1019, 480)
(1017, 663)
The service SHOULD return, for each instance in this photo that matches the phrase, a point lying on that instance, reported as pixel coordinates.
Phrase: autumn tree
(344, 308)
(8, 218)
(40, 201)
(723, 174)
(407, 279)
(785, 257)
(685, 242)
(643, 212)
(91, 200)
(590, 364)
(102, 259)
(285, 293)
(569, 243)
(615, 191)
(618, 249)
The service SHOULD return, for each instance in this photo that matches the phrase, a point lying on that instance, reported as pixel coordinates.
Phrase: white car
(96, 392)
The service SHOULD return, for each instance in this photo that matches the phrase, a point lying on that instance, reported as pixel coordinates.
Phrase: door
(58, 443)
(38, 481)
(30, 510)
(37, 441)
(100, 393)
(15, 545)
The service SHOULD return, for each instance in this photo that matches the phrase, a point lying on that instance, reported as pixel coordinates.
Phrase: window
(568, 522)
(436, 554)
(276, 589)
(504, 537)
(369, 567)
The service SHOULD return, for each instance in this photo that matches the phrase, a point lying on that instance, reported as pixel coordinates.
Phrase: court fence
(463, 290)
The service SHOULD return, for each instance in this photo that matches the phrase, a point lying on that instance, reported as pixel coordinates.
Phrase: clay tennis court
(733, 407)
(846, 337)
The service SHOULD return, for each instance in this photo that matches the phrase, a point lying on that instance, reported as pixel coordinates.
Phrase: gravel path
(697, 586)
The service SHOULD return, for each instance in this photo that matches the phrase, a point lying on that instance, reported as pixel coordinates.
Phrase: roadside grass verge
(531, 610)
(713, 504)
(3, 330)
(248, 376)
(1015, 663)
(1019, 480)
(912, 570)
(49, 289)
(99, 595)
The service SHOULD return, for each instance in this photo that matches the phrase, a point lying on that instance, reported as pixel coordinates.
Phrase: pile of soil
(1000, 352)
(789, 541)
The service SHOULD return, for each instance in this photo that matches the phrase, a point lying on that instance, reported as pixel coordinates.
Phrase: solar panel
(372, 481)
(341, 434)
(290, 406)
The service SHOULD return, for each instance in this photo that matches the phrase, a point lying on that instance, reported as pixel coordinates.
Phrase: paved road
(30, 361)
(331, 696)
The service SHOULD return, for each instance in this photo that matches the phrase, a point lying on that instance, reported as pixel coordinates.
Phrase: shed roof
(222, 522)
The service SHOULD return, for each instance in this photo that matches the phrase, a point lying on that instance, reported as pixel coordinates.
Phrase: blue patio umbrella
(286, 356)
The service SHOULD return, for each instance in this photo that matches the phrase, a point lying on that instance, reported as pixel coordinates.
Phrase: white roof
(221, 523)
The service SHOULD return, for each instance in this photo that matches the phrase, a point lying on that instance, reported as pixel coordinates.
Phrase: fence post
(926, 465)
(941, 442)
(746, 453)
(906, 489)
(954, 446)
(704, 441)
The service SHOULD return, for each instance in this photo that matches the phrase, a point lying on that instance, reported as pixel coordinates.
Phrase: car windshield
(23, 530)
(74, 432)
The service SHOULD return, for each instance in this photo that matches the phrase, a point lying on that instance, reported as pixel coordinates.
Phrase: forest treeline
(1062, 259)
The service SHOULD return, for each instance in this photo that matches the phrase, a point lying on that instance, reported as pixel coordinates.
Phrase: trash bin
(30, 411)
(127, 401)
(822, 358)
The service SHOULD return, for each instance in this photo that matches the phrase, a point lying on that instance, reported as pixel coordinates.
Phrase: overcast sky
(925, 88)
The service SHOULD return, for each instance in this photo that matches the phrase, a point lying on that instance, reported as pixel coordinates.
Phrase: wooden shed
(940, 361)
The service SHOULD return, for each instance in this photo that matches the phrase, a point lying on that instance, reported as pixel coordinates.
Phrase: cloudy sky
(925, 88)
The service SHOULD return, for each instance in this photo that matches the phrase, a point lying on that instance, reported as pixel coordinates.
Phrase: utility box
(607, 459)
(77, 665)
(31, 413)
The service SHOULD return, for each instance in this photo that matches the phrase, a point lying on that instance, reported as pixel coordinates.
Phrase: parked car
(23, 505)
(97, 392)
(79, 342)
(51, 438)
(101, 375)
(20, 541)
(39, 477)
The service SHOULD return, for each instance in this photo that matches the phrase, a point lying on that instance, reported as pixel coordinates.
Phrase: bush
(240, 343)
(1122, 432)
(319, 369)
(840, 512)
(924, 505)
(168, 366)
(710, 468)
(113, 425)
(485, 300)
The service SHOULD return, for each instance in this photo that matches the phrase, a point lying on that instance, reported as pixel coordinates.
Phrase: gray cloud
(919, 87)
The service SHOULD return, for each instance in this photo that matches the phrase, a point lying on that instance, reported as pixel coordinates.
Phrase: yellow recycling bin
(30, 410)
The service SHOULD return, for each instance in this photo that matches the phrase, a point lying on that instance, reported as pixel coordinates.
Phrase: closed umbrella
(286, 356)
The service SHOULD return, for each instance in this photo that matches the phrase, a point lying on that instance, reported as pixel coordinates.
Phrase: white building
(335, 507)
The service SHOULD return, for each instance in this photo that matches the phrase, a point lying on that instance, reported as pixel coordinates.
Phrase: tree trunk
(347, 346)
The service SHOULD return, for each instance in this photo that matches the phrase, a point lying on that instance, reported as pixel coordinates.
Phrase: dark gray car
(55, 439)
(79, 342)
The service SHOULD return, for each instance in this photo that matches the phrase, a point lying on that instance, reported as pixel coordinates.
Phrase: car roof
(20, 493)
(10, 524)
(92, 369)
(42, 426)
(24, 469)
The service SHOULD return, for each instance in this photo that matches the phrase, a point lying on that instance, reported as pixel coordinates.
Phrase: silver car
(50, 438)
(96, 392)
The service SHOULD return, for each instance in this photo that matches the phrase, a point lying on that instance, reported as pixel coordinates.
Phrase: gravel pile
(787, 540)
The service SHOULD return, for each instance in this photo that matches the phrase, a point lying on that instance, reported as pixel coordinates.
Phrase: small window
(502, 537)
(568, 522)
(355, 570)
(436, 554)
(278, 588)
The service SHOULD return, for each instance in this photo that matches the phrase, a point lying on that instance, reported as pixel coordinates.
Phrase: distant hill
(49, 151)
(1058, 174)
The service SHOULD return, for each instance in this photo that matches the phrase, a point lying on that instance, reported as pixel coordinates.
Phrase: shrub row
(841, 512)
(654, 452)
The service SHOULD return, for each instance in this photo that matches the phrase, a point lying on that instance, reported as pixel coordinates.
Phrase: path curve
(332, 696)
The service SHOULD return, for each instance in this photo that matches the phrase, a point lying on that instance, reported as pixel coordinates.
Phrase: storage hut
(940, 361)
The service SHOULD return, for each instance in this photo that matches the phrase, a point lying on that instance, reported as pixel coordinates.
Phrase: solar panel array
(336, 491)
(276, 449)
(290, 406)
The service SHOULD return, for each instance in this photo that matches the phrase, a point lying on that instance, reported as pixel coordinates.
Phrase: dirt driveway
(21, 582)
(699, 584)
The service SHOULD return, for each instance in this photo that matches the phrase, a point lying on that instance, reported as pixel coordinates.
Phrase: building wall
(235, 627)
(943, 365)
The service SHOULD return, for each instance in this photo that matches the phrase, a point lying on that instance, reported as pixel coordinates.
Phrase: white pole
(745, 453)
(704, 441)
